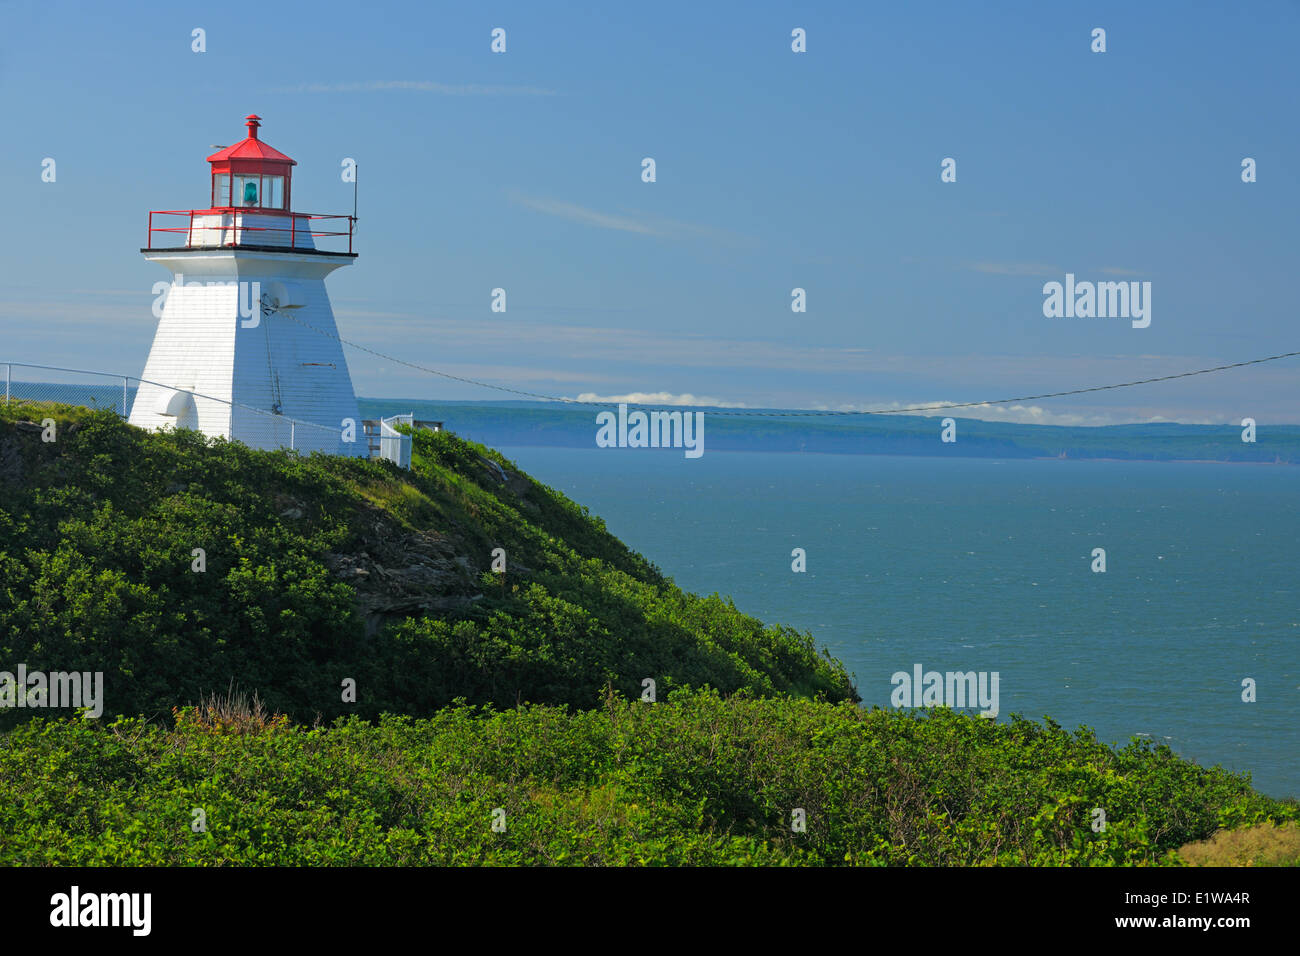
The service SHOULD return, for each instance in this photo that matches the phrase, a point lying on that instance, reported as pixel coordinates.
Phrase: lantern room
(249, 207)
(251, 175)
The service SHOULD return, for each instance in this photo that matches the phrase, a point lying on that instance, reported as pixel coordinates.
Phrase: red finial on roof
(251, 148)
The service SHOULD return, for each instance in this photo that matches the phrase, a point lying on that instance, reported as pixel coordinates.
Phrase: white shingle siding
(256, 229)
(202, 345)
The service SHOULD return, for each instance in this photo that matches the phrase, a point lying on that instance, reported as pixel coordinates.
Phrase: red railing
(225, 229)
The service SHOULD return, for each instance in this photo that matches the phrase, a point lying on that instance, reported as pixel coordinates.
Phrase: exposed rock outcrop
(398, 572)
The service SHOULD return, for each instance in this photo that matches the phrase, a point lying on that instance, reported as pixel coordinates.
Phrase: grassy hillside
(323, 569)
(515, 694)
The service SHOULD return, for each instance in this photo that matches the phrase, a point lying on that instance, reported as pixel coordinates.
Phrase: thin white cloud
(660, 398)
(556, 358)
(138, 293)
(515, 376)
(645, 225)
(1015, 268)
(1020, 414)
(421, 86)
(1038, 415)
(1039, 269)
(589, 217)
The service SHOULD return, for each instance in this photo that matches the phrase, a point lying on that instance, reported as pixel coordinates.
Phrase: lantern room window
(221, 189)
(254, 189)
(272, 192)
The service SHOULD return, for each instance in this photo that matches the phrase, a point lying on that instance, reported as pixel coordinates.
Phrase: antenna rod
(354, 193)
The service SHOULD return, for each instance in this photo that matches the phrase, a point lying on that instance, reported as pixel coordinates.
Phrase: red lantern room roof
(251, 152)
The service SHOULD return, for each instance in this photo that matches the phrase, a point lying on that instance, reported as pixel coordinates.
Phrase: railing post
(8, 369)
(125, 413)
(149, 242)
(292, 435)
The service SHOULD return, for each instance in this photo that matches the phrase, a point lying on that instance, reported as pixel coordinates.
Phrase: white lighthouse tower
(247, 347)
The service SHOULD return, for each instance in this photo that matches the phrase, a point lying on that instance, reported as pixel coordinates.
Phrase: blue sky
(774, 170)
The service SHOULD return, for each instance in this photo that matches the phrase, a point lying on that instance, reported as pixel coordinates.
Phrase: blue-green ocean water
(979, 564)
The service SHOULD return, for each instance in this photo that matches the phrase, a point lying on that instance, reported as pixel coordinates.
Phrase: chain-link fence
(40, 383)
(256, 427)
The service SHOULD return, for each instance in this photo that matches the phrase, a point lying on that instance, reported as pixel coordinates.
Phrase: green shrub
(698, 779)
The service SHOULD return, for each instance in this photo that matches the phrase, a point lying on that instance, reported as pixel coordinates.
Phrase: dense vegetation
(517, 691)
(322, 569)
(696, 779)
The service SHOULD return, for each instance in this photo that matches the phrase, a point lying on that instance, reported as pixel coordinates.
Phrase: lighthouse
(247, 347)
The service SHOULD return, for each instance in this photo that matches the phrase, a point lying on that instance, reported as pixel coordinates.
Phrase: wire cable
(810, 413)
